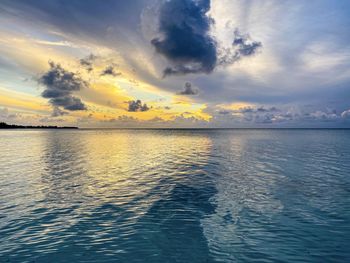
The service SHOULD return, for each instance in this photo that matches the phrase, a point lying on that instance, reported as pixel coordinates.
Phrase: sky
(175, 63)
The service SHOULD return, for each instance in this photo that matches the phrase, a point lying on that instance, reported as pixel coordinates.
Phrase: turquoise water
(175, 196)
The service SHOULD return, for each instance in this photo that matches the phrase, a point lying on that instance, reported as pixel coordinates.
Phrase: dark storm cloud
(188, 90)
(185, 40)
(136, 105)
(69, 103)
(242, 46)
(59, 86)
(110, 71)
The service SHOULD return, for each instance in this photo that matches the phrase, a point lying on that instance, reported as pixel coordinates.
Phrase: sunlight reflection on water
(174, 196)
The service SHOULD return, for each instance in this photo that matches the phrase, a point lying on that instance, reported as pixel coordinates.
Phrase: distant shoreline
(4, 125)
(13, 127)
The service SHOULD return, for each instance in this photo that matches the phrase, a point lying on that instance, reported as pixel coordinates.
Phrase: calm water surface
(175, 196)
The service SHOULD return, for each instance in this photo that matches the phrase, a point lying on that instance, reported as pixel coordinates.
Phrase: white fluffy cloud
(346, 114)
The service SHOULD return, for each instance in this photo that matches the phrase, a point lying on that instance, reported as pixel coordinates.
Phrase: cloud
(123, 119)
(156, 122)
(284, 74)
(322, 116)
(50, 120)
(59, 85)
(224, 112)
(69, 103)
(260, 109)
(186, 41)
(242, 46)
(346, 114)
(136, 105)
(56, 112)
(278, 116)
(5, 114)
(87, 62)
(110, 71)
(188, 90)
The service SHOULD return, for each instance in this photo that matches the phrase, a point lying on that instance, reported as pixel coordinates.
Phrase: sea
(230, 195)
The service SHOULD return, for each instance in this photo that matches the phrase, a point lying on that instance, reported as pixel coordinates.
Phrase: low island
(4, 125)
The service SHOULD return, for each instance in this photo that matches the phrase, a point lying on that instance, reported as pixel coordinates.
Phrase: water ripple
(175, 196)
